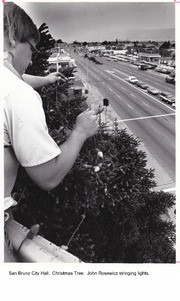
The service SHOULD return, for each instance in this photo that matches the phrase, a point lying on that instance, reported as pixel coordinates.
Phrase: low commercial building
(95, 48)
(78, 89)
(149, 57)
(168, 61)
(60, 59)
(120, 52)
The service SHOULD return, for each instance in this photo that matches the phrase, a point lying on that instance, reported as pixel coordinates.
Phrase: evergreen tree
(104, 210)
(163, 49)
(45, 45)
(59, 41)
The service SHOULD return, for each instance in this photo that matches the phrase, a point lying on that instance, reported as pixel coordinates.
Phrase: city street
(147, 117)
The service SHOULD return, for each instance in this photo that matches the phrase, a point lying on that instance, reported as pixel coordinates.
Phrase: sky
(92, 21)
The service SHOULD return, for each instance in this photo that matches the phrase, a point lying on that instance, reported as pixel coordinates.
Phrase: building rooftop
(149, 54)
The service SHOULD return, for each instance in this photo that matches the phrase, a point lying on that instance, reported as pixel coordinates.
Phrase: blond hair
(18, 26)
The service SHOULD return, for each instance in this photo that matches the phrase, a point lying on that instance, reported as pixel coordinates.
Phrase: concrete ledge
(36, 249)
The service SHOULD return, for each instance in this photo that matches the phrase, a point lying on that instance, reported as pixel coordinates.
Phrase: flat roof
(149, 54)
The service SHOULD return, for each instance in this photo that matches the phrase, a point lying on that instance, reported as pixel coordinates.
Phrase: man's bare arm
(39, 81)
(48, 175)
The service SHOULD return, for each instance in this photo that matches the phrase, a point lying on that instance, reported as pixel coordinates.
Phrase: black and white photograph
(89, 110)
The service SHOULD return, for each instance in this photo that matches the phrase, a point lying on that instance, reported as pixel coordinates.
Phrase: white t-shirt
(25, 127)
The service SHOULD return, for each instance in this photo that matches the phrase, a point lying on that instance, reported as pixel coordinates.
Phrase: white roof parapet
(59, 57)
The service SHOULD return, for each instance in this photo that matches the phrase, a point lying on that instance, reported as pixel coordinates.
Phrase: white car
(174, 105)
(132, 79)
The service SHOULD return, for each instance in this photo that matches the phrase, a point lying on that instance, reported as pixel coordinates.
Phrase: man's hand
(87, 122)
(55, 77)
(39, 81)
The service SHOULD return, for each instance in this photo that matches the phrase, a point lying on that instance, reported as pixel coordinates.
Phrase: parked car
(170, 79)
(152, 90)
(150, 66)
(132, 79)
(165, 70)
(99, 62)
(168, 97)
(142, 67)
(136, 63)
(158, 69)
(142, 85)
(162, 69)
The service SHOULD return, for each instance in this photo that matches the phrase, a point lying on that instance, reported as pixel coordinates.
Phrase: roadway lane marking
(169, 189)
(146, 104)
(116, 94)
(130, 107)
(112, 72)
(140, 90)
(146, 117)
(120, 72)
(124, 89)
